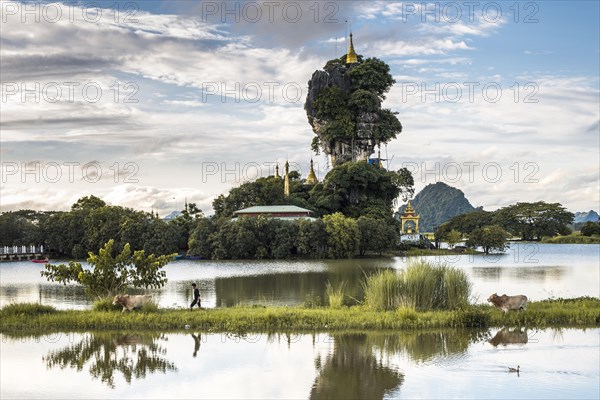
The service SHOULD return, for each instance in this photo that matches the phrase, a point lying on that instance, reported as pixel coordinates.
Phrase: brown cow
(129, 302)
(506, 303)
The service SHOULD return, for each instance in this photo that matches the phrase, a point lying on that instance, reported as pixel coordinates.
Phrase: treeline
(333, 236)
(91, 223)
(527, 221)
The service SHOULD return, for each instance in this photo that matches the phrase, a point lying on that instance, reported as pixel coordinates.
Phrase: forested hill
(437, 203)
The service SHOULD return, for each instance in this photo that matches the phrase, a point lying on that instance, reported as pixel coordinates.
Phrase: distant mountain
(582, 217)
(437, 203)
(172, 215)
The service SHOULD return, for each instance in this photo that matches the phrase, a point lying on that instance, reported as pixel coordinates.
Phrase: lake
(554, 364)
(539, 271)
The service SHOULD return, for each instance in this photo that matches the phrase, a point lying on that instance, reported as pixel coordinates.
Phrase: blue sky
(184, 107)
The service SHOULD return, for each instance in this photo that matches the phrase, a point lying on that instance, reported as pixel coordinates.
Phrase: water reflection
(290, 288)
(537, 273)
(507, 336)
(353, 372)
(104, 354)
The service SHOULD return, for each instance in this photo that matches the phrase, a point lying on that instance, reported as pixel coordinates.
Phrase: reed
(381, 291)
(423, 285)
(335, 295)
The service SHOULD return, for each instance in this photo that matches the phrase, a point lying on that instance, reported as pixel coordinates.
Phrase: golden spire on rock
(351, 57)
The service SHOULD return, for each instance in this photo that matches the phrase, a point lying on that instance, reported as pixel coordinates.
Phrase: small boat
(40, 261)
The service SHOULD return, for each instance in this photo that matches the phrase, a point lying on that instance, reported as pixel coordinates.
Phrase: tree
(376, 235)
(201, 239)
(110, 275)
(491, 237)
(311, 239)
(88, 203)
(453, 237)
(532, 221)
(590, 228)
(343, 235)
(359, 188)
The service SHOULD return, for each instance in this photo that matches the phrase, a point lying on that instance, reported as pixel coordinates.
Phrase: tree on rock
(343, 106)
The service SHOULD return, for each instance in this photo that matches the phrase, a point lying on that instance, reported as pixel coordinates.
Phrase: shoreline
(578, 313)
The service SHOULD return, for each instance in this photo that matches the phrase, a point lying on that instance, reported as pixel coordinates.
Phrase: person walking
(196, 297)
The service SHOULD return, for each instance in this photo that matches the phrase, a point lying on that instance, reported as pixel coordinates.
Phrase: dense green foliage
(591, 228)
(112, 274)
(491, 238)
(529, 221)
(359, 188)
(574, 238)
(90, 223)
(343, 110)
(423, 285)
(532, 221)
(334, 236)
(581, 312)
(352, 188)
(436, 204)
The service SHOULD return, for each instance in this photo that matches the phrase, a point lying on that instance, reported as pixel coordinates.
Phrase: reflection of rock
(352, 372)
(133, 356)
(505, 336)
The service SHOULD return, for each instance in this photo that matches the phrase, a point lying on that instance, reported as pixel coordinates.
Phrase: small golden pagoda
(277, 171)
(312, 177)
(409, 218)
(351, 57)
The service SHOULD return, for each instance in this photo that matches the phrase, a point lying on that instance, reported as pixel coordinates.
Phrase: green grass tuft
(335, 295)
(26, 309)
(423, 285)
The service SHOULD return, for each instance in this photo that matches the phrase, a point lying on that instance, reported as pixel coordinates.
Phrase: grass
(335, 295)
(582, 312)
(423, 285)
(574, 238)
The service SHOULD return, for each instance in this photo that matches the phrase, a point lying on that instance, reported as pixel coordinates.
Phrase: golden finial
(351, 57)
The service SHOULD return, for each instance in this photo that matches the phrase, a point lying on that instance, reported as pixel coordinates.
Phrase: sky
(147, 104)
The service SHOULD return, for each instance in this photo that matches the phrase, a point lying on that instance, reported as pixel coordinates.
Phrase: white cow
(129, 302)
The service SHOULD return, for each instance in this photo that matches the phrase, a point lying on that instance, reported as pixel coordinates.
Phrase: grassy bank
(574, 238)
(581, 312)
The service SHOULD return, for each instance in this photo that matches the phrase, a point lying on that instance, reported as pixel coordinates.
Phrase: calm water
(445, 364)
(536, 270)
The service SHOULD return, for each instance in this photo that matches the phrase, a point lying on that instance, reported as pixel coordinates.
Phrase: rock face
(363, 144)
(437, 203)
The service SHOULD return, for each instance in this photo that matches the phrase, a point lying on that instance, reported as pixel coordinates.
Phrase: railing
(21, 250)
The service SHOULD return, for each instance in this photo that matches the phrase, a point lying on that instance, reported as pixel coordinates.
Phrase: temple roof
(273, 209)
